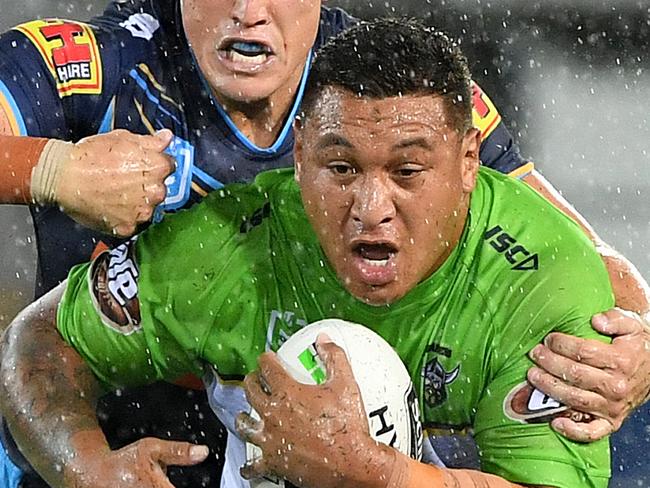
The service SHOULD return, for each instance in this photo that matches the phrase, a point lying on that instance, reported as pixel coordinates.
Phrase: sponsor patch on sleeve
(70, 52)
(485, 116)
(528, 405)
(114, 288)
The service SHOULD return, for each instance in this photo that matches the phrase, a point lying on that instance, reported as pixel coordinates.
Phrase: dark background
(572, 81)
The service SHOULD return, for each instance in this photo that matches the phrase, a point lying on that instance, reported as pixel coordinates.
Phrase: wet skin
(386, 185)
(251, 50)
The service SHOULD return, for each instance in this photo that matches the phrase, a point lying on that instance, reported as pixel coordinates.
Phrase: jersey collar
(288, 123)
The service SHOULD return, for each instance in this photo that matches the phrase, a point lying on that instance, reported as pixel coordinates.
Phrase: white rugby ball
(387, 392)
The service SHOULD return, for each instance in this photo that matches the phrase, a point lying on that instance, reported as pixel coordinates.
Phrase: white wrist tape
(47, 172)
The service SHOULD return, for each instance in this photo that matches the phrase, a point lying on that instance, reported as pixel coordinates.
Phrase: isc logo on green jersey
(516, 254)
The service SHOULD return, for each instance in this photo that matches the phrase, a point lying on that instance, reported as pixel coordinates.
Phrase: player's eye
(408, 171)
(341, 168)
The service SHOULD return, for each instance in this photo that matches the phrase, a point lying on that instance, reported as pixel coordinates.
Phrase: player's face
(386, 185)
(250, 49)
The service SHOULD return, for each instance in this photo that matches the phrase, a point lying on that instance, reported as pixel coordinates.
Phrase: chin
(243, 89)
(376, 296)
(246, 93)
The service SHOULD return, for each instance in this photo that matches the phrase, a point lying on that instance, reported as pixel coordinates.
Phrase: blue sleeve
(500, 152)
(58, 77)
(28, 92)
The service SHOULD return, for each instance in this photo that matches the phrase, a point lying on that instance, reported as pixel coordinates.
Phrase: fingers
(586, 351)
(156, 166)
(154, 193)
(577, 374)
(582, 431)
(255, 468)
(159, 477)
(175, 453)
(168, 166)
(113, 182)
(249, 429)
(271, 372)
(617, 322)
(585, 401)
(155, 162)
(157, 142)
(335, 360)
(255, 393)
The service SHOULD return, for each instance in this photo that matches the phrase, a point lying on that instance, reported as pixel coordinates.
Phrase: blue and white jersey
(130, 68)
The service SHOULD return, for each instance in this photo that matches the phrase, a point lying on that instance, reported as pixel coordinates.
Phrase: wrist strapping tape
(47, 172)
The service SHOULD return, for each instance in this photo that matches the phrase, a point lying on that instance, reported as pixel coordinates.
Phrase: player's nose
(373, 203)
(250, 13)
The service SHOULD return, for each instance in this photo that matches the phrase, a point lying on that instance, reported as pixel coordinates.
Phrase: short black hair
(391, 57)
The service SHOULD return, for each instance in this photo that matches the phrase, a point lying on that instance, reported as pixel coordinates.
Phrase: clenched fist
(112, 182)
(313, 435)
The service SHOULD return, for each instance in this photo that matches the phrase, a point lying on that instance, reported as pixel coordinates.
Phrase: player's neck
(262, 121)
(261, 124)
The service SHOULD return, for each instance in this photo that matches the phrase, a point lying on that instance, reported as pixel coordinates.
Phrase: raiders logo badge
(436, 380)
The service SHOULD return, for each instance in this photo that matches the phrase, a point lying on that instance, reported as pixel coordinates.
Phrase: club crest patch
(114, 288)
(528, 405)
(436, 379)
(70, 52)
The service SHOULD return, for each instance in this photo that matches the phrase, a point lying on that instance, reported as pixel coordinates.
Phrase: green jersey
(209, 289)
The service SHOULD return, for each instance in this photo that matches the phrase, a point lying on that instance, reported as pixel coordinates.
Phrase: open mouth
(378, 255)
(250, 52)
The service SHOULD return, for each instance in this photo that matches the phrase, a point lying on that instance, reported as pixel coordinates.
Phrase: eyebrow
(330, 139)
(416, 141)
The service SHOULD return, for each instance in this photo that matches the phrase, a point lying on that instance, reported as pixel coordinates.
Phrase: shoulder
(237, 214)
(130, 31)
(140, 19)
(529, 251)
(498, 148)
(82, 57)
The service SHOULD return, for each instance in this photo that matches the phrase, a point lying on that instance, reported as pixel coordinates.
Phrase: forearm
(18, 157)
(630, 289)
(426, 476)
(47, 393)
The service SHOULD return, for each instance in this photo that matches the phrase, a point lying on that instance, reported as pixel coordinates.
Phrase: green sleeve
(115, 357)
(570, 286)
(142, 311)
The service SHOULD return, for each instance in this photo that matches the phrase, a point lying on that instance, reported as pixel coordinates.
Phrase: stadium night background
(571, 79)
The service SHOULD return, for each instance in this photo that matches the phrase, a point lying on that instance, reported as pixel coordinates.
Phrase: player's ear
(470, 162)
(297, 148)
